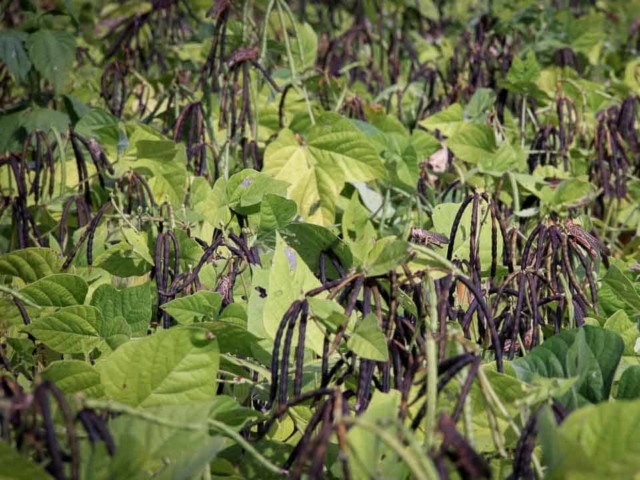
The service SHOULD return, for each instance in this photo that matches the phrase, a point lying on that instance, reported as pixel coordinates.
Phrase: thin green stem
(239, 439)
(18, 296)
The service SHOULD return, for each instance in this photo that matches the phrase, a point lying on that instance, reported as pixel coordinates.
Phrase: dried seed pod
(467, 460)
(114, 87)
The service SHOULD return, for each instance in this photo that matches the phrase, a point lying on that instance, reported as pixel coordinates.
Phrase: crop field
(360, 239)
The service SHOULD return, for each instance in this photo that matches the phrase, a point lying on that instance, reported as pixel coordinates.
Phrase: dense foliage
(360, 239)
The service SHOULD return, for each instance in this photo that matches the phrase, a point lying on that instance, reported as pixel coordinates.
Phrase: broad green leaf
(44, 119)
(153, 443)
(447, 122)
(629, 384)
(99, 124)
(131, 303)
(368, 340)
(30, 264)
(597, 441)
(115, 332)
(73, 376)
(59, 290)
(387, 254)
(120, 260)
(482, 100)
(623, 287)
(568, 192)
(305, 51)
(628, 330)
(16, 466)
(164, 163)
(12, 53)
(171, 367)
(201, 306)
(507, 158)
(310, 240)
(53, 54)
(289, 279)
(365, 449)
(248, 187)
(139, 242)
(329, 312)
(69, 330)
(590, 353)
(215, 208)
(276, 212)
(472, 143)
(524, 70)
(334, 152)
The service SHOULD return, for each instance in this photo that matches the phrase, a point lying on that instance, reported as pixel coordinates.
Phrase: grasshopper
(591, 244)
(425, 237)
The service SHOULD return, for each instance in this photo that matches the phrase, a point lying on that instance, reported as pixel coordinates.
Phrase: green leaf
(482, 100)
(69, 330)
(472, 142)
(139, 242)
(171, 367)
(306, 57)
(131, 303)
(628, 330)
(199, 307)
(12, 53)
(276, 212)
(629, 384)
(45, 119)
(597, 441)
(153, 443)
(310, 240)
(53, 54)
(570, 192)
(623, 287)
(73, 376)
(163, 162)
(248, 187)
(507, 158)
(59, 290)
(115, 332)
(17, 467)
(289, 279)
(524, 70)
(590, 353)
(215, 208)
(368, 340)
(447, 122)
(365, 450)
(329, 312)
(30, 264)
(387, 254)
(334, 152)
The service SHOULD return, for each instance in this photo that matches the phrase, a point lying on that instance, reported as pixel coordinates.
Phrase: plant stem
(292, 65)
(19, 296)
(432, 365)
(239, 439)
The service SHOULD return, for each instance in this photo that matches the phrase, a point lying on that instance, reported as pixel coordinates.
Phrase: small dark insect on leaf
(262, 292)
(590, 243)
(425, 237)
